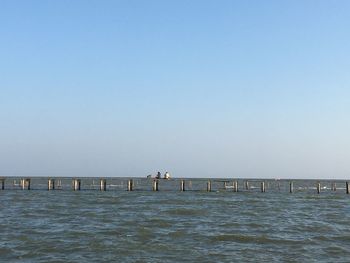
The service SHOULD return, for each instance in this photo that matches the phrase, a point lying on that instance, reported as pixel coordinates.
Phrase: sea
(170, 225)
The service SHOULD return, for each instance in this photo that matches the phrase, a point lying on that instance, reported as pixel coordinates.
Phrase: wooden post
(291, 188)
(2, 184)
(263, 187)
(225, 185)
(130, 185)
(334, 187)
(247, 185)
(25, 184)
(76, 184)
(318, 188)
(347, 188)
(209, 186)
(59, 184)
(235, 186)
(155, 185)
(51, 184)
(103, 185)
(182, 185)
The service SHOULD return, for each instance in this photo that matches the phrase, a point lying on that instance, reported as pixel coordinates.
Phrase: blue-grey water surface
(173, 226)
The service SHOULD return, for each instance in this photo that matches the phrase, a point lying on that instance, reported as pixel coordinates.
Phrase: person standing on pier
(167, 175)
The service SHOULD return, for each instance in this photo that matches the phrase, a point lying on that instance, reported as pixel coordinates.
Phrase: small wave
(186, 212)
(251, 239)
(159, 223)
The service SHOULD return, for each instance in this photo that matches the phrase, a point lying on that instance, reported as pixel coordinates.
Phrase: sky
(203, 88)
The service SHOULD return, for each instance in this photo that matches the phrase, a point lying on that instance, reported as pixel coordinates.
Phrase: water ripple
(93, 226)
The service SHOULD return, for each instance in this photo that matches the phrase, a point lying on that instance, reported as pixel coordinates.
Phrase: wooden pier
(178, 184)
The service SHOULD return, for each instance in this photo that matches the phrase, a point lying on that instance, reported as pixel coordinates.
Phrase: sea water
(173, 226)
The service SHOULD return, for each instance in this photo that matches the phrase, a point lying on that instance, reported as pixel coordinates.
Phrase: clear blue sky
(198, 88)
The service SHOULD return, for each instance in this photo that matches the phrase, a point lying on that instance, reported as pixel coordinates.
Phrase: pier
(234, 185)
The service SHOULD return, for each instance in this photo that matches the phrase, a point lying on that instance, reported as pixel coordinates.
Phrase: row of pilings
(53, 184)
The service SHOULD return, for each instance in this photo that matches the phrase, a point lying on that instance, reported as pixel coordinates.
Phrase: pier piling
(155, 185)
(182, 185)
(76, 184)
(209, 186)
(130, 185)
(59, 184)
(318, 188)
(291, 187)
(263, 189)
(235, 186)
(334, 187)
(247, 185)
(103, 185)
(25, 184)
(51, 184)
(347, 188)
